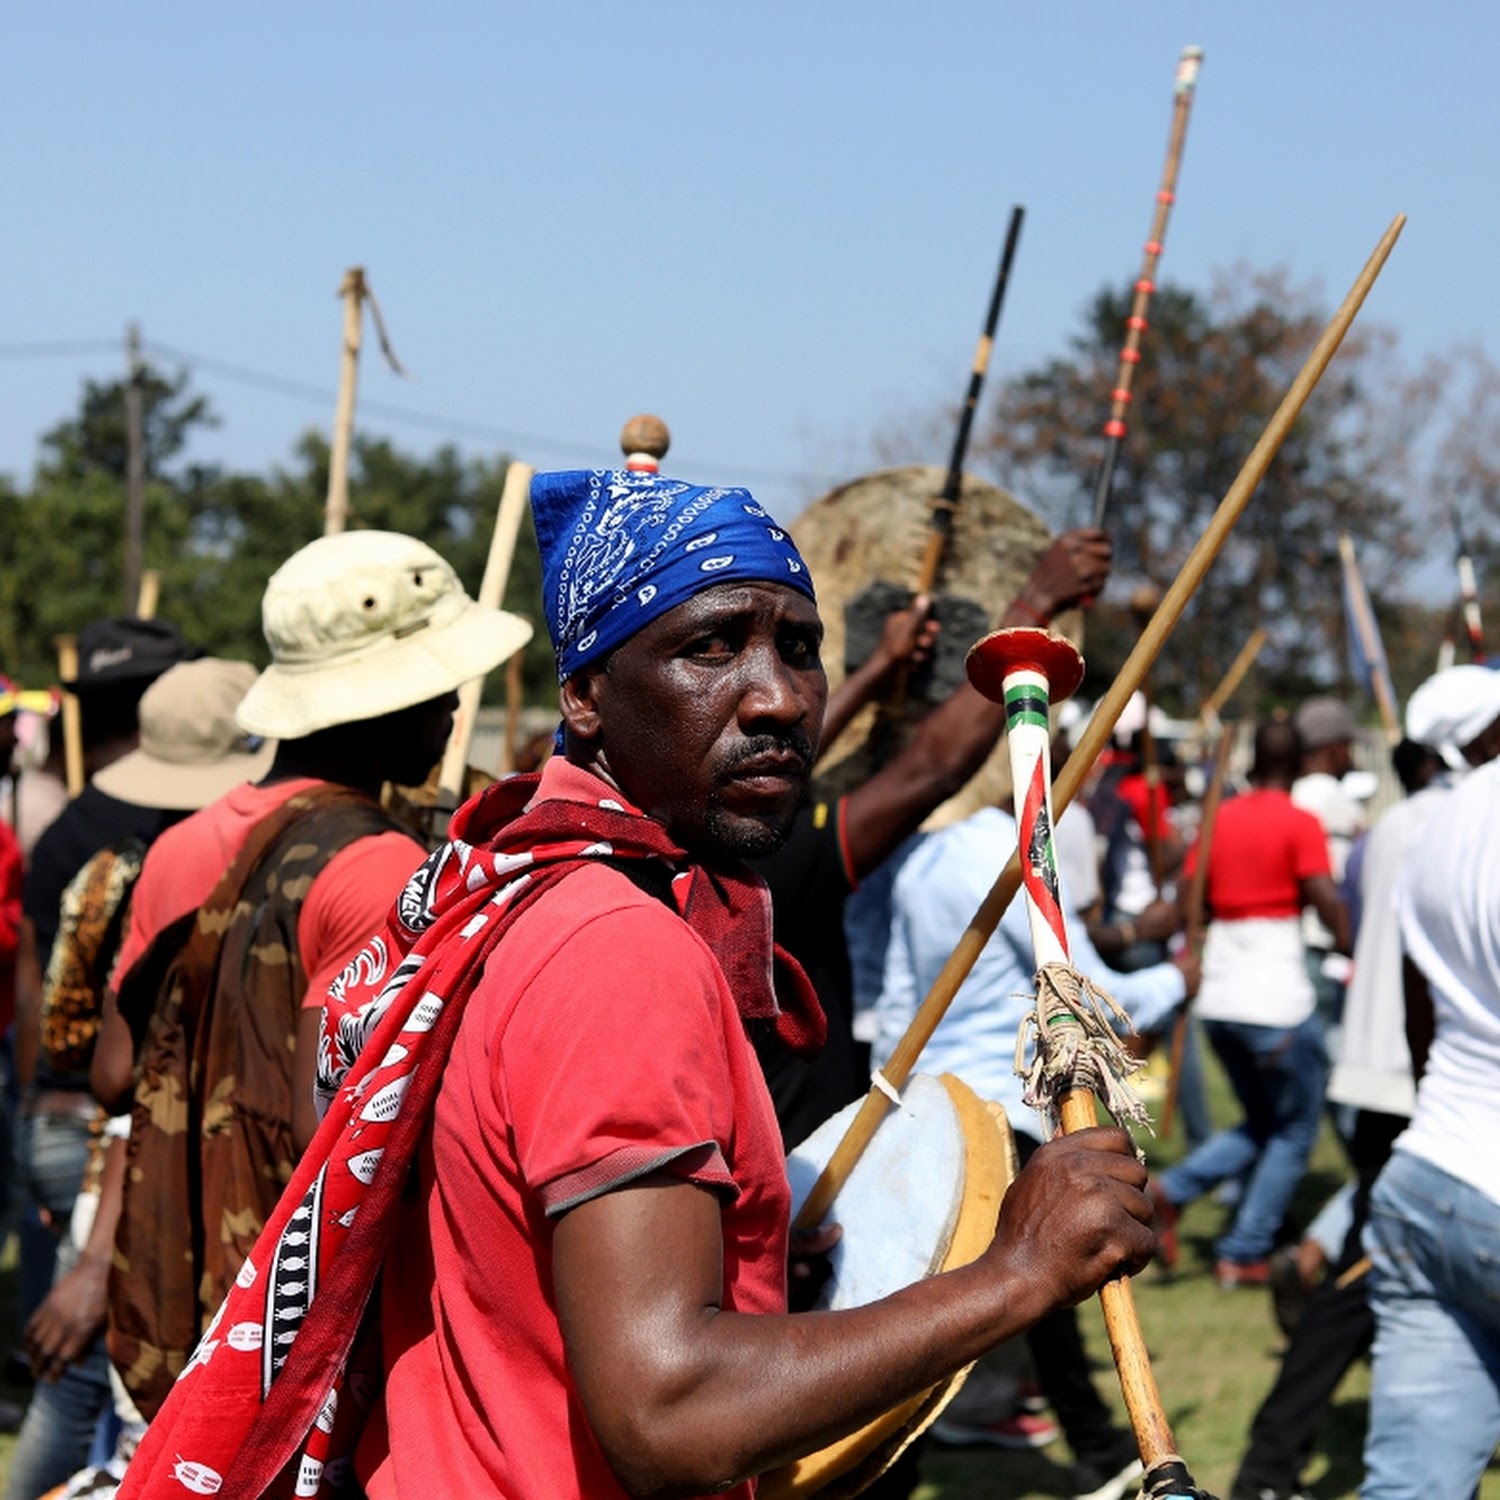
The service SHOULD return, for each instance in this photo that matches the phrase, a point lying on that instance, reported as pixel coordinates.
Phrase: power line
(305, 391)
(59, 347)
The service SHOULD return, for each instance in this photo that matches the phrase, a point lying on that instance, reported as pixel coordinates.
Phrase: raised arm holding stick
(1100, 727)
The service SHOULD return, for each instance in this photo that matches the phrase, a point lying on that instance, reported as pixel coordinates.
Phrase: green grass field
(1214, 1353)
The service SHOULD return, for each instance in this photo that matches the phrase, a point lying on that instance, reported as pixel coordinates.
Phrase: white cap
(1452, 709)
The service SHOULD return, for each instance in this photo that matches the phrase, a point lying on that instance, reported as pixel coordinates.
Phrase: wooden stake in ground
(355, 291)
(1095, 736)
(72, 719)
(513, 497)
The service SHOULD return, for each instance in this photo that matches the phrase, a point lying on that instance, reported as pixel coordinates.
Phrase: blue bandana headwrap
(620, 549)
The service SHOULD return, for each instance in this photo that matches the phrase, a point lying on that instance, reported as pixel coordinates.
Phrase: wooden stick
(512, 509)
(1360, 1269)
(72, 719)
(1135, 325)
(946, 506)
(1197, 886)
(512, 734)
(1233, 677)
(1095, 735)
(336, 512)
(149, 596)
(1032, 669)
(1369, 638)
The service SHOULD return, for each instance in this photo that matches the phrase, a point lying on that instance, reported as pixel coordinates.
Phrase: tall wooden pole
(135, 467)
(72, 719)
(1136, 324)
(352, 290)
(513, 497)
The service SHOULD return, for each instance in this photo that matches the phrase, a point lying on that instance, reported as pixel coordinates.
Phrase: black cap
(124, 650)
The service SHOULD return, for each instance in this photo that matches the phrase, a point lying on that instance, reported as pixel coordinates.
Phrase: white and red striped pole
(1027, 670)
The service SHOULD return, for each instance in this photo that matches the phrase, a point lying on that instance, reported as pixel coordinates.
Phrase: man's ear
(580, 699)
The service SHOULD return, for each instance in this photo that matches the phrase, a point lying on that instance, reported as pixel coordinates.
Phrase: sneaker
(1164, 1222)
(1237, 1273)
(1108, 1475)
(1030, 1397)
(1288, 1289)
(1019, 1431)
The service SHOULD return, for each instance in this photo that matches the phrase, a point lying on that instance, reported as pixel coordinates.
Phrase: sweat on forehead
(620, 549)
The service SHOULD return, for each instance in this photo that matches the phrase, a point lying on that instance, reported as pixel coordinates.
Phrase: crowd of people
(344, 1165)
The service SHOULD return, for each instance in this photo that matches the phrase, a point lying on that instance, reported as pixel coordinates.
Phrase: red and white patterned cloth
(286, 1422)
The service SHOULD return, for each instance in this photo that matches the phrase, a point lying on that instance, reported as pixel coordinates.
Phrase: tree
(1214, 368)
(216, 537)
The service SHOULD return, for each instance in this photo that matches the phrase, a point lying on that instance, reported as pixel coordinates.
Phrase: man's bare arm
(28, 1023)
(952, 742)
(686, 1398)
(1320, 893)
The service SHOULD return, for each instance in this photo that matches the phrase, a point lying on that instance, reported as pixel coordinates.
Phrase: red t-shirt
(601, 1044)
(10, 922)
(347, 903)
(1149, 805)
(1263, 848)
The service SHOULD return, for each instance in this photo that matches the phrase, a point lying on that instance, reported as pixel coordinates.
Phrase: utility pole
(355, 292)
(135, 468)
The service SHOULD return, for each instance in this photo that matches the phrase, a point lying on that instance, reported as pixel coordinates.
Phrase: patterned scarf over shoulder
(277, 1393)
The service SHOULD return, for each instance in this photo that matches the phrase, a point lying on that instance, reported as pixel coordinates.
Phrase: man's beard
(736, 836)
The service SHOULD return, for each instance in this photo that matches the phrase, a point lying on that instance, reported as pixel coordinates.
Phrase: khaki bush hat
(363, 623)
(191, 751)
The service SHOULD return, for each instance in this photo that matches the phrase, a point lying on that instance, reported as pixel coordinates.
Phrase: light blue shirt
(936, 895)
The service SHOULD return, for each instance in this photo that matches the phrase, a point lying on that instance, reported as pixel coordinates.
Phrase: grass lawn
(1214, 1353)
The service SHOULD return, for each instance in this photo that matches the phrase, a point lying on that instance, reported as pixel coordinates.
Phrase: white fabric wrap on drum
(900, 1204)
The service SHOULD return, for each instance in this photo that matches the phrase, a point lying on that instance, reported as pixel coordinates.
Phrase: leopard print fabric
(94, 908)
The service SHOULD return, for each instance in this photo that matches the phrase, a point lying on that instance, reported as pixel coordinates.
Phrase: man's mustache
(793, 741)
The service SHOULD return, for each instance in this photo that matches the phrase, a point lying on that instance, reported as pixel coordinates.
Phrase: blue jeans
(51, 1153)
(1278, 1076)
(1435, 1290)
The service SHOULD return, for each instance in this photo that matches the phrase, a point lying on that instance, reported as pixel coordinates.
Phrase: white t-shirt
(1449, 905)
(1343, 820)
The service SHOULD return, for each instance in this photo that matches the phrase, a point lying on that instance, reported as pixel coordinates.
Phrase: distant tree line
(214, 536)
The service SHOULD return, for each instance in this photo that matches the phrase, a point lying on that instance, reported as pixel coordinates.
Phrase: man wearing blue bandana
(585, 1290)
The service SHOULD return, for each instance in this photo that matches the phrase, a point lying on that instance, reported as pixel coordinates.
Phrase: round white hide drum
(923, 1198)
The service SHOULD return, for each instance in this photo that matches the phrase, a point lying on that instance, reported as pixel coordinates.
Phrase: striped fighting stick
(1077, 1051)
(1145, 284)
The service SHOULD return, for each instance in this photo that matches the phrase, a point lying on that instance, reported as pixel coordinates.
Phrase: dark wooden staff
(982, 926)
(946, 505)
(1135, 325)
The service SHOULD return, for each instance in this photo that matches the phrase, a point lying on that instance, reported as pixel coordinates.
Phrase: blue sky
(775, 226)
